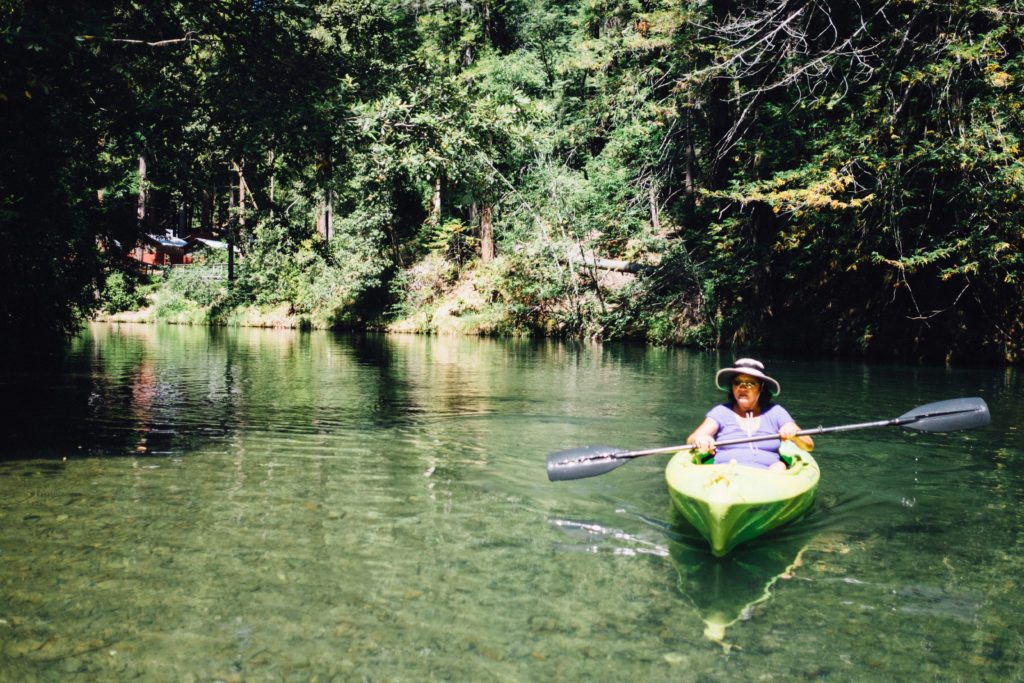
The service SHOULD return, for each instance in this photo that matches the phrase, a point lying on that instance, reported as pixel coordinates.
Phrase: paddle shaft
(894, 422)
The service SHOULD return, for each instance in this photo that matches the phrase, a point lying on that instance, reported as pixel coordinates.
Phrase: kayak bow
(732, 504)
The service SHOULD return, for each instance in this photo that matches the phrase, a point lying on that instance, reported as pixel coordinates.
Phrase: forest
(840, 177)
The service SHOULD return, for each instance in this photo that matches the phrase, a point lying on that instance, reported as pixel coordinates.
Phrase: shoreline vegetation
(434, 304)
(840, 178)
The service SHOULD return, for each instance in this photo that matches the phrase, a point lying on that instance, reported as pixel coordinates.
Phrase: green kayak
(732, 504)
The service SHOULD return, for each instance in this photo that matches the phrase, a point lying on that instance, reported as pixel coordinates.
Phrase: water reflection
(727, 590)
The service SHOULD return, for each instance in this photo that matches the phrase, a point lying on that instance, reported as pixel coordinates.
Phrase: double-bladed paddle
(943, 416)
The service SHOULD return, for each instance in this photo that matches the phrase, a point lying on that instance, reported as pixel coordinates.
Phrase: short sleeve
(779, 416)
(720, 414)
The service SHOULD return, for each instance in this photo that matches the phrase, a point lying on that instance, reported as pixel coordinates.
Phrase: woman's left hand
(788, 432)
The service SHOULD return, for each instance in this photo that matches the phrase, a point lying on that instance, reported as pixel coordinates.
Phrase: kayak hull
(732, 504)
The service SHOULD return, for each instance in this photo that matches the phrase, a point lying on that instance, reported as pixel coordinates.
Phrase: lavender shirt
(756, 454)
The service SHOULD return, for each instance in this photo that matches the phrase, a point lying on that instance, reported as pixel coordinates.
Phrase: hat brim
(724, 377)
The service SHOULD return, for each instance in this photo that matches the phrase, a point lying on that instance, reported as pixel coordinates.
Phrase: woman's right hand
(703, 437)
(704, 443)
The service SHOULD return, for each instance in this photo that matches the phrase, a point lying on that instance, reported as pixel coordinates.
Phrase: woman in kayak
(750, 412)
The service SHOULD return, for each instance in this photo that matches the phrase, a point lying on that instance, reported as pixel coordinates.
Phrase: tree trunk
(435, 203)
(206, 210)
(486, 234)
(325, 216)
(241, 198)
(325, 172)
(655, 214)
(329, 214)
(231, 234)
(719, 117)
(271, 164)
(140, 211)
(396, 248)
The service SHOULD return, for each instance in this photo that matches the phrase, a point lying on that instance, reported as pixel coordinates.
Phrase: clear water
(245, 505)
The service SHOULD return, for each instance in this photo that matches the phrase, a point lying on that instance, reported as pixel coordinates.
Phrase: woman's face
(746, 390)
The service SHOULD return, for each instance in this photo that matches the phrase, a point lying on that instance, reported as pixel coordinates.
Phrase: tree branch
(187, 38)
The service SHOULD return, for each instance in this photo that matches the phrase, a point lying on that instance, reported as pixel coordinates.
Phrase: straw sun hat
(746, 366)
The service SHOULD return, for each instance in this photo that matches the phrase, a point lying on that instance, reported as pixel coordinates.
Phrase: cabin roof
(166, 241)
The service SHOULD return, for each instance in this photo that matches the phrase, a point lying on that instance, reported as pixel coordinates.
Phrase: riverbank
(465, 306)
(520, 294)
(433, 296)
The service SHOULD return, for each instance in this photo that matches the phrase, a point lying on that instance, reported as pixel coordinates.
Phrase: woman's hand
(704, 444)
(703, 437)
(788, 432)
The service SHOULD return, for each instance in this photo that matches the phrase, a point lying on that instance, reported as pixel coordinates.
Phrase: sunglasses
(745, 383)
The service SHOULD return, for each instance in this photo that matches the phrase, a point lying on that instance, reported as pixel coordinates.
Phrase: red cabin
(161, 250)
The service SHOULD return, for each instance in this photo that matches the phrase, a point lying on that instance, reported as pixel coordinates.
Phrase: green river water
(184, 504)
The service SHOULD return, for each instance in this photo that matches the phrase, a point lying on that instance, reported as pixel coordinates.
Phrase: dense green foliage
(835, 177)
(123, 291)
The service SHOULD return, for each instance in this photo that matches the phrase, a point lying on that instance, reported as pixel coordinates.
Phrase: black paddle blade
(948, 416)
(580, 463)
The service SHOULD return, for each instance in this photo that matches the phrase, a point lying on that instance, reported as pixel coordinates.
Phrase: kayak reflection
(725, 590)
